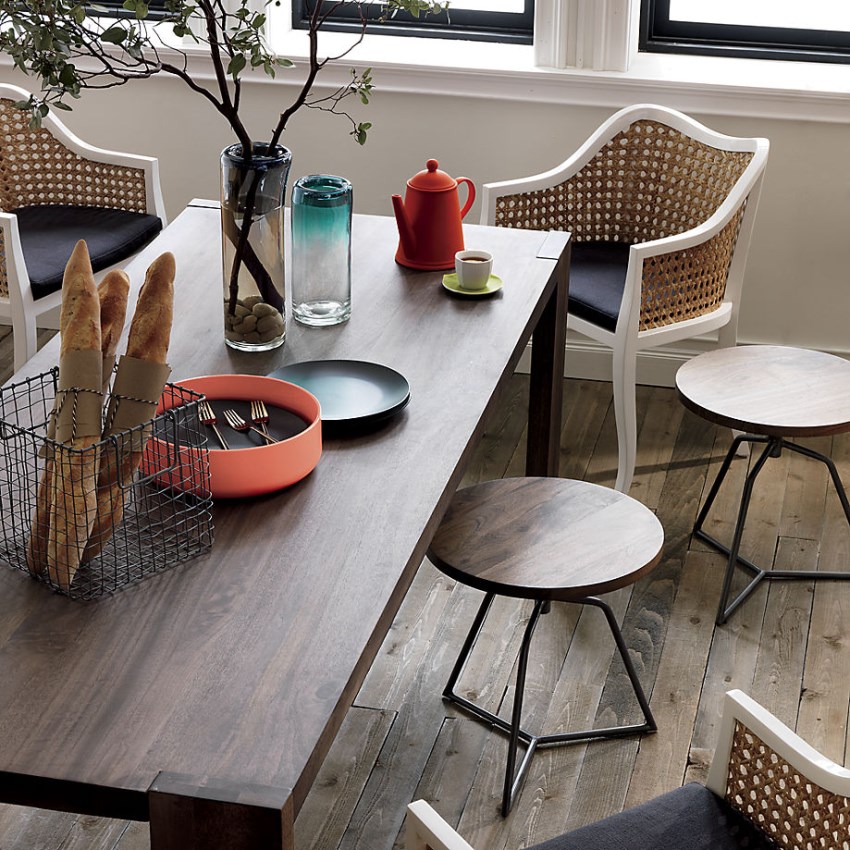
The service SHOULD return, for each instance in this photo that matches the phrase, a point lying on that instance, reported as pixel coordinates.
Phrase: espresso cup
(473, 269)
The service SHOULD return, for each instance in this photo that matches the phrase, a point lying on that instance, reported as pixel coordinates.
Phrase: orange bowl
(243, 472)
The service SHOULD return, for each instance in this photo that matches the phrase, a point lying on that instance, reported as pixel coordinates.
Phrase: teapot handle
(470, 196)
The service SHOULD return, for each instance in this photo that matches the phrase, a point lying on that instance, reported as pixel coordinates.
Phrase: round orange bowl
(243, 472)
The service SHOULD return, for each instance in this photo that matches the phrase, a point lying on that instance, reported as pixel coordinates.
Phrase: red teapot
(429, 219)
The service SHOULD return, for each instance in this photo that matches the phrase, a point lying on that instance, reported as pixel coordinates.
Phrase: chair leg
(625, 414)
(25, 338)
(514, 776)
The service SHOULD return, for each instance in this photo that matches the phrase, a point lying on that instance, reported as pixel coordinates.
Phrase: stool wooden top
(773, 390)
(546, 538)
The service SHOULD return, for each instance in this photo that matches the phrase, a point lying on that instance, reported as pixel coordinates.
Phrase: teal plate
(493, 285)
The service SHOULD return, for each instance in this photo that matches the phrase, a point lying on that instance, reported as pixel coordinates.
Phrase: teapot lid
(432, 179)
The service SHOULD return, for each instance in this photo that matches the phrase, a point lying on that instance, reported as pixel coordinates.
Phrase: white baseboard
(657, 367)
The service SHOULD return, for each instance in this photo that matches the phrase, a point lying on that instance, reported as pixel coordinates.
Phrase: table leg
(547, 377)
(188, 813)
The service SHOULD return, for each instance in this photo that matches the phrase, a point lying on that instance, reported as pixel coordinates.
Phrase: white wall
(797, 289)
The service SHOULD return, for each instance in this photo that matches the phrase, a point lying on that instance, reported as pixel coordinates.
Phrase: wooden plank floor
(788, 646)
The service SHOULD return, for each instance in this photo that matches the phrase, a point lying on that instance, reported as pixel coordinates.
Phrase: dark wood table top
(546, 538)
(237, 668)
(774, 390)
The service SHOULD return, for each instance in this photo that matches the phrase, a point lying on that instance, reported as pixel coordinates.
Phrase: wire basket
(90, 521)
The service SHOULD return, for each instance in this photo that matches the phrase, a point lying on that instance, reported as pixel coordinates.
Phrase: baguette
(150, 335)
(112, 294)
(40, 529)
(73, 491)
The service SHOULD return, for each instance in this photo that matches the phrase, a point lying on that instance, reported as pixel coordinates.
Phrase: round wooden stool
(771, 392)
(545, 539)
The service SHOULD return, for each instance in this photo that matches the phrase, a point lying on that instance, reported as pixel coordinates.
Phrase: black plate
(350, 391)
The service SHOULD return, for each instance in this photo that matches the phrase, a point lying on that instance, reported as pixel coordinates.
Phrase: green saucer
(494, 284)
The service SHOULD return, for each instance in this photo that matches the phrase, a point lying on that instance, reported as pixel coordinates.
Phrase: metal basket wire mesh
(89, 521)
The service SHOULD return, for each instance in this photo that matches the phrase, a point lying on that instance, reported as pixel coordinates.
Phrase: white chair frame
(21, 308)
(426, 830)
(626, 341)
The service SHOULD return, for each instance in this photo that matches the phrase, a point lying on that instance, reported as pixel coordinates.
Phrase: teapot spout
(405, 232)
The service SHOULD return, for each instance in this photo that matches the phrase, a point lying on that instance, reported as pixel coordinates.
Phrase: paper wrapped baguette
(139, 382)
(112, 293)
(73, 504)
(112, 297)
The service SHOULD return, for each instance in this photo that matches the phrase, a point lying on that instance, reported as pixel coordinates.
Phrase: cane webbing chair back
(49, 178)
(648, 182)
(36, 168)
(780, 800)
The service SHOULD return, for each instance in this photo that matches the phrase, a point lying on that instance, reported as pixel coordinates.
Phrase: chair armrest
(777, 780)
(426, 830)
(685, 276)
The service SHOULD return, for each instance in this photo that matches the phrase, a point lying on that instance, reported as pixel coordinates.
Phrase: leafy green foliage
(68, 48)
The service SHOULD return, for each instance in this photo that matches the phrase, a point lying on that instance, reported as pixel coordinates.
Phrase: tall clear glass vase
(252, 203)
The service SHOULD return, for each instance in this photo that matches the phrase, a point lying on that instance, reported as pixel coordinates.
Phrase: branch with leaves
(70, 46)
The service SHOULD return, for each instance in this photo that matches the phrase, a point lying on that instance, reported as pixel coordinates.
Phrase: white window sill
(710, 85)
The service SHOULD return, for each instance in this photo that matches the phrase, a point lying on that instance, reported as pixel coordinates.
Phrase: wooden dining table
(205, 698)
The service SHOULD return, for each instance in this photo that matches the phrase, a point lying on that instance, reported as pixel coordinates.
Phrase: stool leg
(649, 724)
(770, 450)
(513, 782)
(477, 623)
(833, 472)
(721, 475)
(774, 448)
(513, 777)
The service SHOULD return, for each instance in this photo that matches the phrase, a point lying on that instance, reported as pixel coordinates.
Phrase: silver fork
(260, 415)
(207, 417)
(237, 423)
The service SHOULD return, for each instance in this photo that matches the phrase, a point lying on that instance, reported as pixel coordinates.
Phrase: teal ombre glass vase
(321, 250)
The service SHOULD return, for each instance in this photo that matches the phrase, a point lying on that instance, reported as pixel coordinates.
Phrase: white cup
(473, 269)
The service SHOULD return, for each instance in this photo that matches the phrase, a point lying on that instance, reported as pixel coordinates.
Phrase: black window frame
(115, 9)
(658, 34)
(472, 25)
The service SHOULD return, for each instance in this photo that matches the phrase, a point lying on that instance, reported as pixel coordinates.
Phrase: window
(115, 9)
(477, 20)
(814, 30)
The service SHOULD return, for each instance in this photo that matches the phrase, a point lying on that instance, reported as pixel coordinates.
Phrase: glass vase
(252, 203)
(321, 250)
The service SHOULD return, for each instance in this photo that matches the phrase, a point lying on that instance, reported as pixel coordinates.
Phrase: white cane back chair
(763, 775)
(661, 211)
(51, 168)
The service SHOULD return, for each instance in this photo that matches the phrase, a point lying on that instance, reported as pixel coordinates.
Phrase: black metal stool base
(773, 448)
(514, 776)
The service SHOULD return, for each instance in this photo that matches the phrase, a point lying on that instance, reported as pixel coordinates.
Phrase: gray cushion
(49, 233)
(597, 280)
(689, 818)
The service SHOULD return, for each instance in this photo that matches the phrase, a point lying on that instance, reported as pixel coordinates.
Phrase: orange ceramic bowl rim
(245, 472)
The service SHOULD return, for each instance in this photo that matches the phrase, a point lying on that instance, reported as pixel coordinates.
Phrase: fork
(260, 415)
(237, 423)
(207, 417)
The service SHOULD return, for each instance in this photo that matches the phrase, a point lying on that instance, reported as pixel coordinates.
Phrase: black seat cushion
(689, 818)
(597, 280)
(49, 233)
